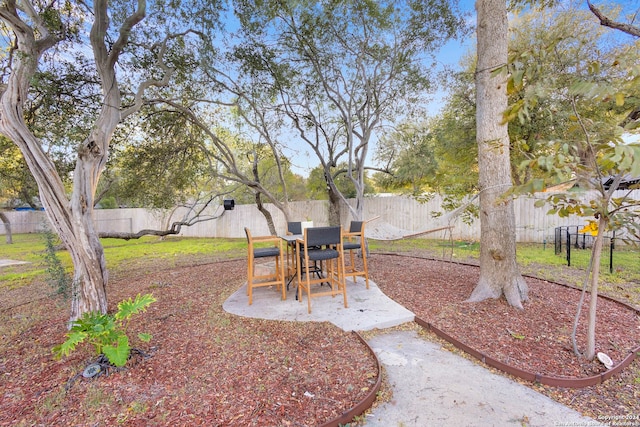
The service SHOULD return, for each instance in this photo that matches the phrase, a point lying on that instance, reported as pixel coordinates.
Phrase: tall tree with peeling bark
(59, 29)
(499, 272)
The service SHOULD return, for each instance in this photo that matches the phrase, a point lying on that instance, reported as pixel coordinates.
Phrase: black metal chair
(322, 244)
(257, 249)
(354, 242)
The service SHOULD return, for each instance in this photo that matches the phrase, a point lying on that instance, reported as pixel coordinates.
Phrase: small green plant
(57, 275)
(107, 332)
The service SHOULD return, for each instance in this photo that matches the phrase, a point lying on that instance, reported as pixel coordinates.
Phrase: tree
(37, 32)
(233, 158)
(410, 153)
(603, 95)
(605, 20)
(342, 71)
(7, 228)
(633, 116)
(17, 186)
(499, 273)
(317, 184)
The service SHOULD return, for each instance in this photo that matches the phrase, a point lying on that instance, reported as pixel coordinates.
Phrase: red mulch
(208, 367)
(536, 339)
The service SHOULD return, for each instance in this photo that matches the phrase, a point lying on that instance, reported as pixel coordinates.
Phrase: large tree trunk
(267, 215)
(499, 273)
(334, 205)
(71, 218)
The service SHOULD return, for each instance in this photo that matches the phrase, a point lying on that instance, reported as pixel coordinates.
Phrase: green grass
(123, 255)
(120, 254)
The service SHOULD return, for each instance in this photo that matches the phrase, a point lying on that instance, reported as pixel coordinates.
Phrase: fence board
(533, 224)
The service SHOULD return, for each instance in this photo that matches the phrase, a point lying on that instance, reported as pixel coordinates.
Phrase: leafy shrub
(107, 332)
(57, 275)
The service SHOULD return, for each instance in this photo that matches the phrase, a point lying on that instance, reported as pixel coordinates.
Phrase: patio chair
(294, 227)
(259, 247)
(354, 241)
(322, 244)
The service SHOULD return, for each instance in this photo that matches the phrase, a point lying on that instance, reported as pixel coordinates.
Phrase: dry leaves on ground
(536, 339)
(208, 367)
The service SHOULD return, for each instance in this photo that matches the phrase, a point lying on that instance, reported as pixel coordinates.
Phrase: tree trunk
(499, 272)
(593, 301)
(7, 228)
(68, 219)
(267, 215)
(334, 205)
(71, 218)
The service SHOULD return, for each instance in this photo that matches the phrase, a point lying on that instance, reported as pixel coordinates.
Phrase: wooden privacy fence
(398, 212)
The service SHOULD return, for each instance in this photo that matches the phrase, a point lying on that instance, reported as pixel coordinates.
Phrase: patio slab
(368, 308)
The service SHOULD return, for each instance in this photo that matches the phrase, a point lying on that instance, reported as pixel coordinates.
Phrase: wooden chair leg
(281, 277)
(249, 274)
(343, 279)
(364, 265)
(352, 267)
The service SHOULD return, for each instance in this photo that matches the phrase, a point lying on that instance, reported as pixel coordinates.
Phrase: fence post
(611, 246)
(569, 247)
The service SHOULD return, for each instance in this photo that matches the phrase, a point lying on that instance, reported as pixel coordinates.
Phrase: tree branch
(175, 228)
(607, 22)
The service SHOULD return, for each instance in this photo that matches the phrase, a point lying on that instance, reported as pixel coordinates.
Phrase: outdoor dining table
(293, 258)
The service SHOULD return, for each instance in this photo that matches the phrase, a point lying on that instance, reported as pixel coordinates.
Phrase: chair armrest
(351, 236)
(266, 239)
(354, 234)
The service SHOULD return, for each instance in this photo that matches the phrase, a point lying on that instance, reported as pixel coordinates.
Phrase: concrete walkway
(431, 386)
(8, 262)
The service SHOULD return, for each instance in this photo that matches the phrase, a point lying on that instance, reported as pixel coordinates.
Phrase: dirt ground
(207, 367)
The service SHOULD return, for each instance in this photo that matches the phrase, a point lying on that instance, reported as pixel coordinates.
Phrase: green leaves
(119, 353)
(129, 307)
(73, 339)
(107, 333)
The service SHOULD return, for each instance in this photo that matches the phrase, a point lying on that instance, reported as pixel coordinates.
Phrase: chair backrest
(356, 226)
(294, 227)
(320, 236)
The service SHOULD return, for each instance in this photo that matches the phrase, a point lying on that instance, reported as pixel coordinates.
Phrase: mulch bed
(208, 367)
(536, 339)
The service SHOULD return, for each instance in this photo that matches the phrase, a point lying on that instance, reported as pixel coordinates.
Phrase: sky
(450, 55)
(304, 160)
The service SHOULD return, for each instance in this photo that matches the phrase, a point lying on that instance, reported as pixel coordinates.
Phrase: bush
(107, 333)
(57, 278)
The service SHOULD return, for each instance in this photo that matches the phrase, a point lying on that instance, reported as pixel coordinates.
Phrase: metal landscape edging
(365, 403)
(521, 373)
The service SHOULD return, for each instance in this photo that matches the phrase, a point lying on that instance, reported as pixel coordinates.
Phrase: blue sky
(450, 55)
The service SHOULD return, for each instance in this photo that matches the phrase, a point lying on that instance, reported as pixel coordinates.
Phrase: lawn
(141, 254)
